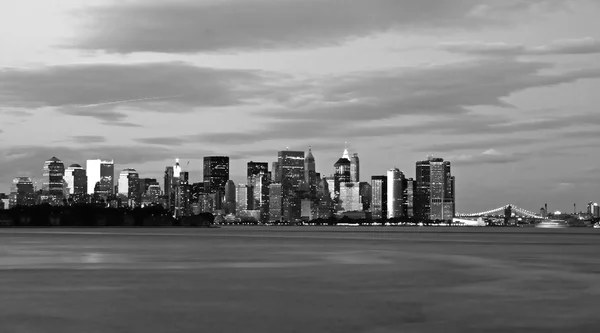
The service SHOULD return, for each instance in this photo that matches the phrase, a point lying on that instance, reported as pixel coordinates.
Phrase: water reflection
(93, 258)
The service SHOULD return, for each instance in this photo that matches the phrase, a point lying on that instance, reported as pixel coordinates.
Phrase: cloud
(373, 104)
(490, 156)
(476, 142)
(194, 26)
(587, 45)
(96, 90)
(87, 138)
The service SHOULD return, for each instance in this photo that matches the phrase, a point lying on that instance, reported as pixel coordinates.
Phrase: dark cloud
(96, 90)
(193, 26)
(586, 45)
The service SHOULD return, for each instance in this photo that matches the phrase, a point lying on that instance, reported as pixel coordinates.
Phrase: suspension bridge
(500, 211)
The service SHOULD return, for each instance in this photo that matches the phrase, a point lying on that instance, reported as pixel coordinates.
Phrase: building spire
(346, 155)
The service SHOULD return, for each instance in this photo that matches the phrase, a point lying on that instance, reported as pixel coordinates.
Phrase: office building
(22, 192)
(350, 199)
(216, 173)
(422, 204)
(310, 173)
(230, 197)
(409, 197)
(441, 190)
(255, 168)
(354, 168)
(242, 197)
(76, 179)
(365, 196)
(260, 195)
(341, 172)
(395, 179)
(275, 202)
(129, 184)
(53, 182)
(291, 171)
(100, 174)
(379, 197)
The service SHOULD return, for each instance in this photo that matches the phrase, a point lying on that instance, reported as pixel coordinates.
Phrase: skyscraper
(291, 171)
(260, 194)
(341, 171)
(409, 197)
(254, 168)
(53, 185)
(242, 197)
(379, 197)
(422, 204)
(350, 197)
(354, 168)
(394, 193)
(22, 192)
(435, 190)
(230, 197)
(100, 170)
(216, 173)
(310, 173)
(128, 183)
(275, 202)
(76, 179)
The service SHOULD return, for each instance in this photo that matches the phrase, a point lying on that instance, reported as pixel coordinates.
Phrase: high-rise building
(242, 197)
(230, 197)
(422, 205)
(379, 197)
(196, 190)
(168, 181)
(350, 199)
(53, 185)
(341, 171)
(22, 192)
(145, 183)
(365, 196)
(260, 195)
(255, 168)
(129, 184)
(354, 168)
(216, 173)
(409, 197)
(435, 190)
(310, 173)
(183, 194)
(100, 174)
(442, 200)
(275, 176)
(275, 202)
(291, 171)
(76, 179)
(394, 193)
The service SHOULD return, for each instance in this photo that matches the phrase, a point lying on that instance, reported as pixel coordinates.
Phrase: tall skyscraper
(422, 204)
(379, 197)
(100, 175)
(341, 171)
(254, 168)
(230, 197)
(168, 181)
(216, 173)
(350, 197)
(394, 193)
(129, 183)
(275, 202)
(310, 173)
(260, 194)
(76, 179)
(409, 197)
(354, 168)
(291, 171)
(242, 197)
(53, 185)
(435, 190)
(275, 176)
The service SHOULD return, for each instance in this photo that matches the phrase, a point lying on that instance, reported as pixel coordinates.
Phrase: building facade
(216, 173)
(379, 197)
(395, 178)
(100, 174)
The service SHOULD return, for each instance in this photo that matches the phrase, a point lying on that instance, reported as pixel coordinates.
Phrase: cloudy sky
(506, 90)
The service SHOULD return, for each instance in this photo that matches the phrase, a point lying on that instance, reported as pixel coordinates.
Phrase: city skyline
(506, 92)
